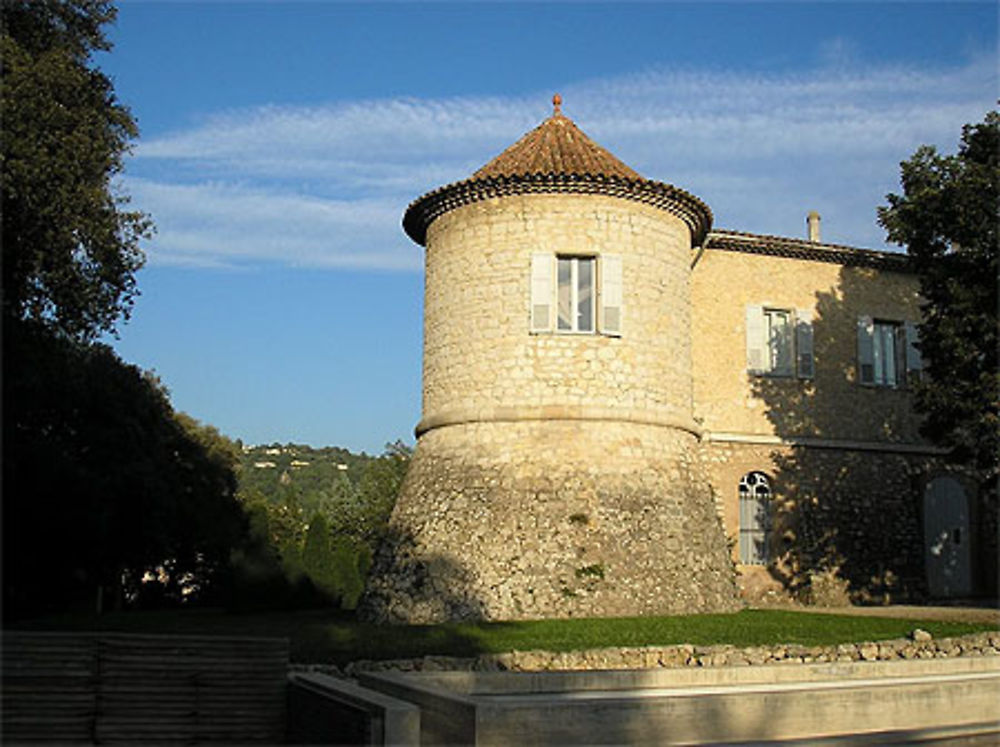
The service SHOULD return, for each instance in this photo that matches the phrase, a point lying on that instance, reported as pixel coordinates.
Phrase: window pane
(886, 353)
(754, 494)
(900, 342)
(585, 295)
(878, 350)
(889, 351)
(565, 275)
(779, 341)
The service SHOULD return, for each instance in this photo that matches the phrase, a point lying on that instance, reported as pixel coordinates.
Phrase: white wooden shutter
(914, 361)
(756, 344)
(805, 367)
(541, 292)
(866, 350)
(611, 294)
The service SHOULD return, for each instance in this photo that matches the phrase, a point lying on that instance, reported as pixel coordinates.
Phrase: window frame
(907, 365)
(893, 332)
(574, 288)
(772, 349)
(763, 354)
(606, 291)
(754, 538)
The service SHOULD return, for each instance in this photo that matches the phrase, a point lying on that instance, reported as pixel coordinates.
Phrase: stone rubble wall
(919, 646)
(540, 519)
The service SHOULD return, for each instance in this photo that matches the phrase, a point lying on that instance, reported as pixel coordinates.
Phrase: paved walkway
(978, 611)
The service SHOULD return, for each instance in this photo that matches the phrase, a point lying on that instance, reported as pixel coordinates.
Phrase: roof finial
(556, 103)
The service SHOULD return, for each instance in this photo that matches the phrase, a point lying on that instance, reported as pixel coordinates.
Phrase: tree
(103, 482)
(70, 248)
(317, 557)
(104, 485)
(947, 218)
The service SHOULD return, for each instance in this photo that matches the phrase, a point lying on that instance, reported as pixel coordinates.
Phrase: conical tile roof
(556, 157)
(556, 146)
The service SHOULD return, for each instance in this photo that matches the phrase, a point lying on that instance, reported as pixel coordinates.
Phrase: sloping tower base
(495, 524)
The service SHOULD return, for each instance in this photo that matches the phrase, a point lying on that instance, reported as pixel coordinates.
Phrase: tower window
(576, 294)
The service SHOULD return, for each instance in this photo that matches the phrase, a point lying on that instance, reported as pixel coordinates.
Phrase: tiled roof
(782, 246)
(556, 157)
(556, 146)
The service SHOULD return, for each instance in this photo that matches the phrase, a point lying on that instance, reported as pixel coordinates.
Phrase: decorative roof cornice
(782, 246)
(422, 212)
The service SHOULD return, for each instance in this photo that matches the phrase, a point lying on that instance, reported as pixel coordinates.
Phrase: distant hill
(355, 492)
(274, 471)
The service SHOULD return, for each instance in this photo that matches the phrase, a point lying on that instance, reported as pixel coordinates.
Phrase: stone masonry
(597, 470)
(556, 474)
(488, 527)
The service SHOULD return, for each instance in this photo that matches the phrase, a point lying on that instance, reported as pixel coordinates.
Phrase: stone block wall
(850, 514)
(481, 361)
(832, 405)
(846, 517)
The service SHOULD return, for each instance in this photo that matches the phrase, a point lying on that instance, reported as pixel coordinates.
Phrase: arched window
(755, 496)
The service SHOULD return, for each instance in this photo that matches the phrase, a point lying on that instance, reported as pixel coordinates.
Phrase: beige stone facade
(851, 498)
(481, 361)
(624, 412)
(832, 297)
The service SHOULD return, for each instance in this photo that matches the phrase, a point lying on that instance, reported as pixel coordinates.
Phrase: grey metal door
(946, 538)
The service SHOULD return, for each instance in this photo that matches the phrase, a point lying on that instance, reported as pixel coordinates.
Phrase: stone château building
(623, 405)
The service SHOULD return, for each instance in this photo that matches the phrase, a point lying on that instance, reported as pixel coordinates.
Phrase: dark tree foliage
(947, 218)
(102, 483)
(70, 246)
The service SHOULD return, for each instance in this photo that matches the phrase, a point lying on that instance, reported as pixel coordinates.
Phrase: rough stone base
(552, 519)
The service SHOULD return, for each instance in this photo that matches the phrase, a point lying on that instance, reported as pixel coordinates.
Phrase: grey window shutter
(611, 294)
(914, 361)
(866, 350)
(755, 340)
(541, 293)
(806, 367)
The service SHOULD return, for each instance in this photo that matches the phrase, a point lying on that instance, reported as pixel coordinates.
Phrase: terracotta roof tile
(556, 146)
(556, 157)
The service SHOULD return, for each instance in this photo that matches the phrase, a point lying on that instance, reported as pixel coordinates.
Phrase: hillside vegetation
(316, 517)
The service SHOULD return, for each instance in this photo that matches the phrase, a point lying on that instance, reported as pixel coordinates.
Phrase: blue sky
(281, 143)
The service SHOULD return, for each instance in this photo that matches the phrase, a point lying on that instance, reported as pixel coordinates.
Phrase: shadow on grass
(319, 636)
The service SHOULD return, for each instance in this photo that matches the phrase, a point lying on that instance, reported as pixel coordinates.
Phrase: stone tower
(556, 470)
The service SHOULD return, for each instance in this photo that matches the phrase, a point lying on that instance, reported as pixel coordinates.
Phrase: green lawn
(319, 636)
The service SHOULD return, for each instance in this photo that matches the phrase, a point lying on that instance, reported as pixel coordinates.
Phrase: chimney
(812, 221)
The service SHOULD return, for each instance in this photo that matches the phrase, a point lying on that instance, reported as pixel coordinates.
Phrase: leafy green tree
(947, 218)
(379, 488)
(318, 558)
(70, 246)
(352, 561)
(105, 487)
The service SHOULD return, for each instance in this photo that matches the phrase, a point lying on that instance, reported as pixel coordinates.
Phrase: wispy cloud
(228, 225)
(326, 186)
